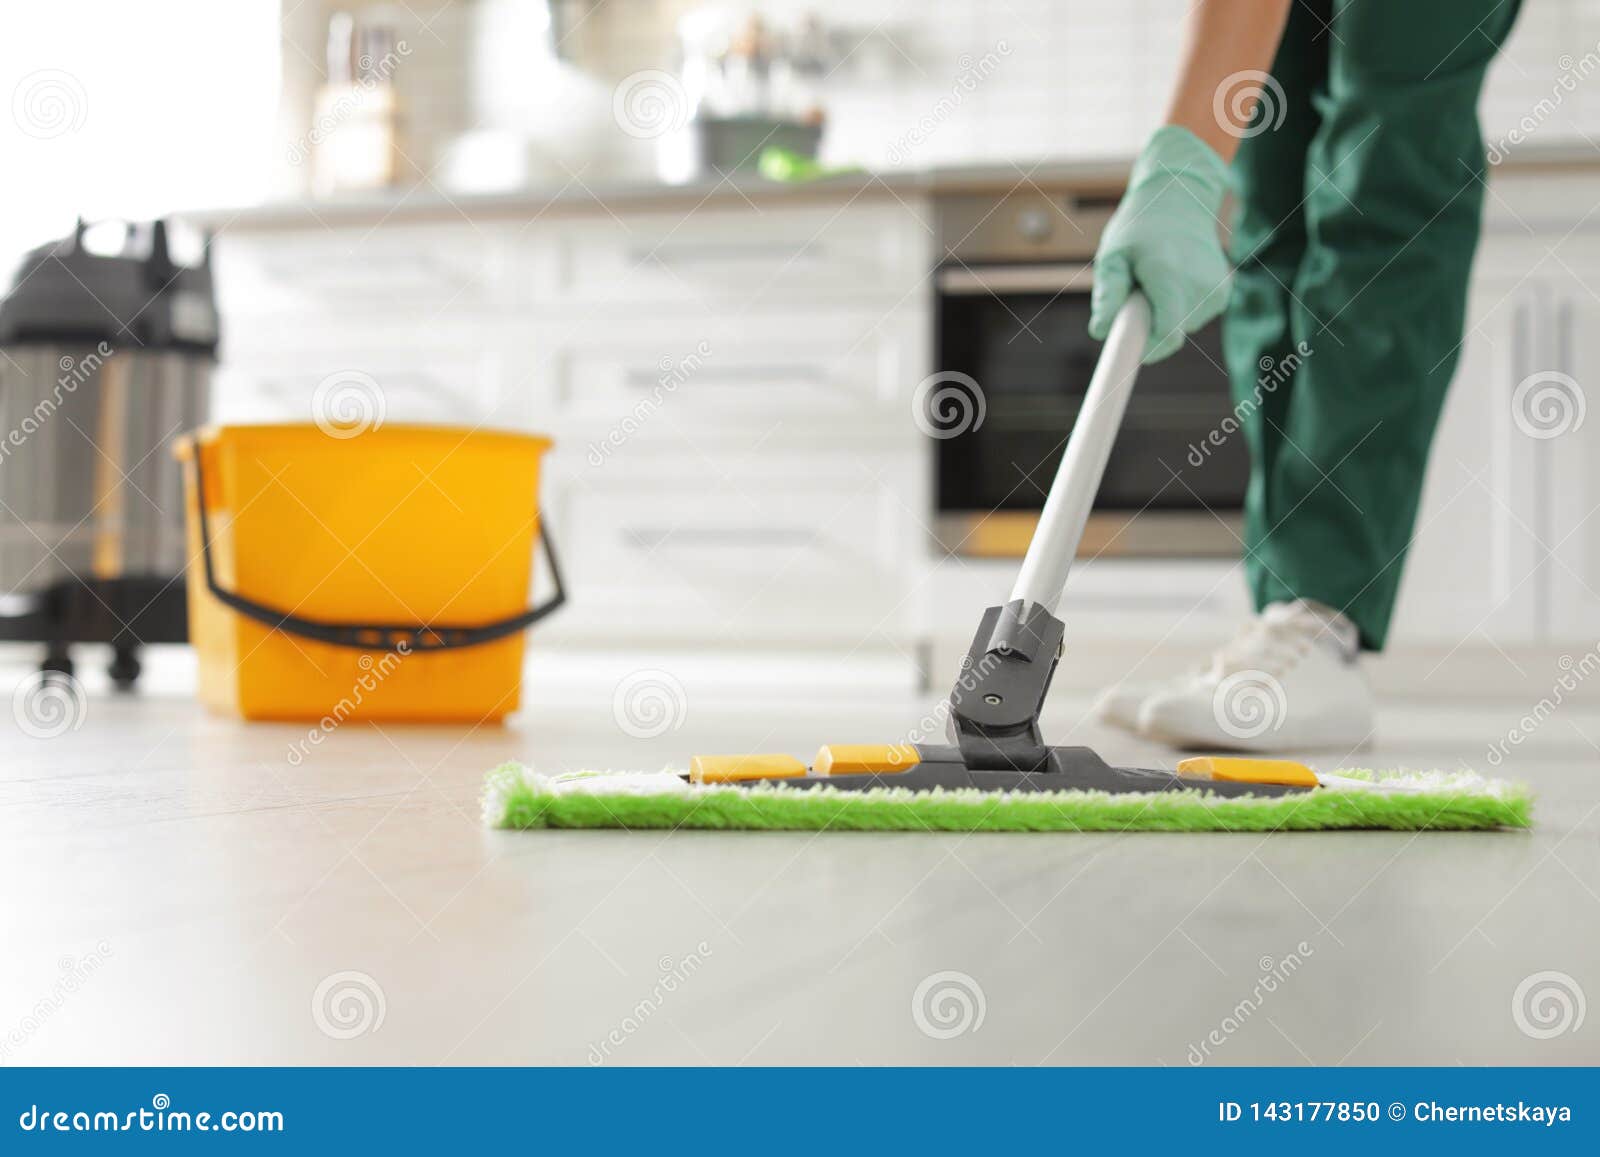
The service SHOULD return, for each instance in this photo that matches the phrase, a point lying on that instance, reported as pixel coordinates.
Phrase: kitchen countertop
(584, 193)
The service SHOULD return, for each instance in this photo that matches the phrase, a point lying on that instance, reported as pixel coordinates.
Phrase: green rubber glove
(1164, 239)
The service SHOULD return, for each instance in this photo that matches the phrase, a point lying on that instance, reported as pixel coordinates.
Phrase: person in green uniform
(1347, 134)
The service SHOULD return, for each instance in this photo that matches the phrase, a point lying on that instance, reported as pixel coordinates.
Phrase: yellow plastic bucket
(384, 574)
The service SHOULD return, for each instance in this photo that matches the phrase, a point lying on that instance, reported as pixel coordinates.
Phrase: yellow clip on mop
(997, 773)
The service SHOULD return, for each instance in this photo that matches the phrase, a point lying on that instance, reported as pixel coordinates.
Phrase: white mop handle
(1066, 510)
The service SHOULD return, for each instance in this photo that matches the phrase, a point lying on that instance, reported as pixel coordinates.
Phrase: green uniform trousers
(1360, 186)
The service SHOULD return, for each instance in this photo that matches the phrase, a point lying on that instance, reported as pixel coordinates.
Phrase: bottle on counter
(355, 129)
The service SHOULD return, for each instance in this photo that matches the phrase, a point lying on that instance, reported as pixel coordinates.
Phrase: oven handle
(1055, 277)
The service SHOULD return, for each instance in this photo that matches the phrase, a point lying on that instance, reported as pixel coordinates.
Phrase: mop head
(518, 798)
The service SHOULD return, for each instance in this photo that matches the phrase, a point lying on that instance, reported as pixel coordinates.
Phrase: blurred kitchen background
(799, 289)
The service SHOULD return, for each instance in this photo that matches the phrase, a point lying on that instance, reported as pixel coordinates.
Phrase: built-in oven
(1012, 329)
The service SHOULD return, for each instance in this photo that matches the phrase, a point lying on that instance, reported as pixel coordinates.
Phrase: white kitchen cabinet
(1508, 543)
(1571, 452)
(703, 257)
(370, 268)
(729, 391)
(729, 544)
(778, 492)
(448, 372)
(813, 369)
(1473, 570)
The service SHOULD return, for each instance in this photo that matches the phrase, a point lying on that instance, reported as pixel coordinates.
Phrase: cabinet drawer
(423, 267)
(814, 555)
(721, 255)
(817, 368)
(453, 384)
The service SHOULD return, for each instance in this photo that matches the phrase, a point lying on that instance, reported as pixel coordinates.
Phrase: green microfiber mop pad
(518, 798)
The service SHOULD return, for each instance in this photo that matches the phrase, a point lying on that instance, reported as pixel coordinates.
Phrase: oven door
(1021, 332)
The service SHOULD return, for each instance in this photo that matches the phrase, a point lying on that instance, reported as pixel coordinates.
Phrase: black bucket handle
(374, 636)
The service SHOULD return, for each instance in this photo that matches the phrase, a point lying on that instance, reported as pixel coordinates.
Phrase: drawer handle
(701, 254)
(442, 399)
(644, 379)
(986, 280)
(649, 538)
(318, 271)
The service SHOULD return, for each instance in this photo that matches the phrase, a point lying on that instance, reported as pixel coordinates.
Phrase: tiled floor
(178, 890)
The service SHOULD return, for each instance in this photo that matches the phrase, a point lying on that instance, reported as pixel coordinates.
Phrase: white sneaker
(1291, 680)
(1119, 705)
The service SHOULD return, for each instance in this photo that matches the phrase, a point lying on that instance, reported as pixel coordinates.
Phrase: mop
(997, 773)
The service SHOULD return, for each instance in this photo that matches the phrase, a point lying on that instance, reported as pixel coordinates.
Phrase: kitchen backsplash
(917, 83)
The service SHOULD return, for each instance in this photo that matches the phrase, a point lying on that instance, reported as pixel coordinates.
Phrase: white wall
(1075, 78)
(117, 109)
(923, 82)
(170, 103)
